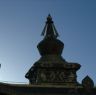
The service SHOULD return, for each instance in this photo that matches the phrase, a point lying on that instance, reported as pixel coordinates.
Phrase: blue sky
(21, 24)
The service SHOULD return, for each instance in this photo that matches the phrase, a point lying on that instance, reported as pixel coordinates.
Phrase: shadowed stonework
(51, 74)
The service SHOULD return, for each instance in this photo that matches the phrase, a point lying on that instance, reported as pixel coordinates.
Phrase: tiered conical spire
(49, 29)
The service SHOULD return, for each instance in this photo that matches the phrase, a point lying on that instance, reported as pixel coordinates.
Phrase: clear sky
(21, 24)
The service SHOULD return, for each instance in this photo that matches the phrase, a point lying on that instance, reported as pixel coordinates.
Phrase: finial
(49, 18)
(49, 29)
(49, 15)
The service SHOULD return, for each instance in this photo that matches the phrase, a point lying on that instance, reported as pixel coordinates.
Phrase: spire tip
(49, 18)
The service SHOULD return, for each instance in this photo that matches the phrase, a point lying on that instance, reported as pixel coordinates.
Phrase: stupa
(52, 68)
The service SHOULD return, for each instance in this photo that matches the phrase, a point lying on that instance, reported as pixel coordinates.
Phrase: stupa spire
(49, 29)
